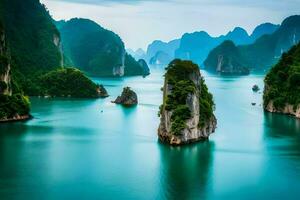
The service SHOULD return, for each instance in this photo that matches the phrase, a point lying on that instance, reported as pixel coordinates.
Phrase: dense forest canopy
(69, 82)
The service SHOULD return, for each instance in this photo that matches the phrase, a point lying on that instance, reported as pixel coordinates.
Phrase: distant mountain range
(263, 53)
(196, 46)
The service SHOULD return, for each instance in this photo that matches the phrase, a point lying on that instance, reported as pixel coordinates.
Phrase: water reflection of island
(185, 172)
(284, 128)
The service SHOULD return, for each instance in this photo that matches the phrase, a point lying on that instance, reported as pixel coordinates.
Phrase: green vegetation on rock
(179, 78)
(207, 105)
(282, 83)
(179, 117)
(13, 106)
(69, 82)
(32, 39)
(3, 64)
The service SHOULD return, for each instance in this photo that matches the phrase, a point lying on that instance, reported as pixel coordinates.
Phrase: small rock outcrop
(102, 91)
(127, 98)
(187, 112)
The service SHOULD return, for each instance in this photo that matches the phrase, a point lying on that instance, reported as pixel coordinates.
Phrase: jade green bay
(94, 149)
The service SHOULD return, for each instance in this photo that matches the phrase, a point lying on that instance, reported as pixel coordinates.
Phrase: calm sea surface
(93, 149)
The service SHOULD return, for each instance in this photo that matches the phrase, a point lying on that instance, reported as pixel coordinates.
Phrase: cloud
(139, 22)
(271, 4)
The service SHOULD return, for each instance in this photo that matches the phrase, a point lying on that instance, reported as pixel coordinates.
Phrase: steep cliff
(33, 41)
(226, 59)
(5, 67)
(187, 109)
(282, 84)
(15, 106)
(95, 50)
(36, 54)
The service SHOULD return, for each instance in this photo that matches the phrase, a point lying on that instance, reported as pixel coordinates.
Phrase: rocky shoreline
(190, 136)
(287, 110)
(16, 119)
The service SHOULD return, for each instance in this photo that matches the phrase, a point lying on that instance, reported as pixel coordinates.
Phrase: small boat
(255, 88)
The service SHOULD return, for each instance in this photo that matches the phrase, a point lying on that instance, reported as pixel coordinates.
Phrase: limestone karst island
(146, 99)
(187, 109)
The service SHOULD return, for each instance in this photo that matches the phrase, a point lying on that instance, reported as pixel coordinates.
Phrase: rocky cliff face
(13, 107)
(287, 109)
(57, 42)
(100, 52)
(5, 76)
(191, 129)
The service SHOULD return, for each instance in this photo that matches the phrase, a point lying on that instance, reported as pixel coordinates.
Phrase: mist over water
(93, 149)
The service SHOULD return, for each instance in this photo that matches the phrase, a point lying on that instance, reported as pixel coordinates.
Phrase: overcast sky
(139, 22)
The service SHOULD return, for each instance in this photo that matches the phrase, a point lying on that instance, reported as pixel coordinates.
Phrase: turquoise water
(73, 150)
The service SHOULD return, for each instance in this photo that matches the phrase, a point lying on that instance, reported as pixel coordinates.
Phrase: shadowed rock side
(226, 59)
(187, 112)
(127, 98)
(144, 66)
(282, 91)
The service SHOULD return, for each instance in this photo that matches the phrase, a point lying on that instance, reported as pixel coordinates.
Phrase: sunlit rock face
(127, 98)
(5, 67)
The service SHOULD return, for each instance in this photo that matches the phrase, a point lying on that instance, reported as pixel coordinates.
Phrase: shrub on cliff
(207, 105)
(11, 106)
